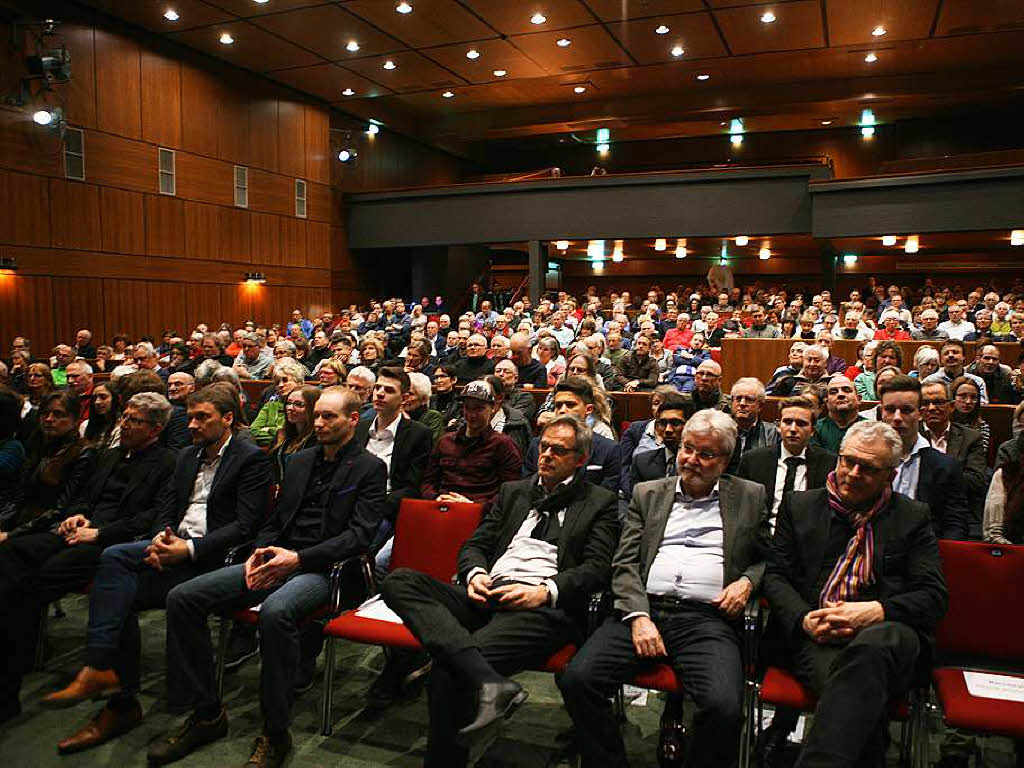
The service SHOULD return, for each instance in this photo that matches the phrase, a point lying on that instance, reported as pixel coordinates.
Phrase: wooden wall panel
(272, 193)
(235, 236)
(265, 240)
(233, 127)
(198, 111)
(204, 178)
(23, 147)
(75, 215)
(168, 307)
(25, 304)
(80, 93)
(206, 304)
(202, 231)
(293, 242)
(123, 220)
(263, 134)
(118, 85)
(318, 201)
(161, 100)
(317, 126)
(114, 161)
(126, 306)
(24, 209)
(291, 136)
(78, 303)
(318, 244)
(165, 226)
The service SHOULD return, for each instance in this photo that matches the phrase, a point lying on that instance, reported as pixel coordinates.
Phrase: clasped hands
(167, 548)
(77, 530)
(841, 620)
(512, 596)
(269, 566)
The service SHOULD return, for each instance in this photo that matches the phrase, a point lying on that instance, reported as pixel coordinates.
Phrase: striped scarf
(854, 568)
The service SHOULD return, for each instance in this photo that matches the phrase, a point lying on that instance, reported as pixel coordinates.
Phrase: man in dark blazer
(924, 473)
(328, 509)
(220, 499)
(654, 465)
(692, 553)
(855, 643)
(61, 549)
(639, 436)
(746, 399)
(525, 578)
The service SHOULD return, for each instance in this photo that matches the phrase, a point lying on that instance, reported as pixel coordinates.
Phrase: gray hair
(288, 368)
(816, 349)
(156, 407)
(229, 375)
(419, 385)
(362, 372)
(877, 433)
(288, 344)
(925, 354)
(81, 365)
(756, 382)
(145, 349)
(251, 337)
(205, 371)
(584, 434)
(719, 424)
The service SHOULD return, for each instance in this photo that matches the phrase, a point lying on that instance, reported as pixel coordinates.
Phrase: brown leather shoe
(108, 724)
(89, 684)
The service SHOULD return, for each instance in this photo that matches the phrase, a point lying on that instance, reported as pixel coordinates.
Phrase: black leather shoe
(187, 738)
(495, 700)
(267, 753)
(775, 749)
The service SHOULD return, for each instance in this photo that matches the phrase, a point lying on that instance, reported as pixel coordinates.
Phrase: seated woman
(297, 432)
(886, 353)
(444, 399)
(371, 354)
(288, 374)
(967, 408)
(102, 429)
(331, 373)
(926, 362)
(38, 383)
(864, 351)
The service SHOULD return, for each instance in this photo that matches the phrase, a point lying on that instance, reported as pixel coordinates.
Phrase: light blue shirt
(908, 473)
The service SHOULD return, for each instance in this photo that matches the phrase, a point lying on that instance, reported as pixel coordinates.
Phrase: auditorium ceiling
(455, 72)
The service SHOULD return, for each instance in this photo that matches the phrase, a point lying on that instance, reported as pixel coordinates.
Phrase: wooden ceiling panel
(797, 26)
(495, 55)
(694, 32)
(512, 17)
(618, 10)
(253, 48)
(412, 72)
(246, 8)
(328, 81)
(851, 22)
(150, 13)
(590, 48)
(737, 3)
(431, 22)
(968, 17)
(327, 30)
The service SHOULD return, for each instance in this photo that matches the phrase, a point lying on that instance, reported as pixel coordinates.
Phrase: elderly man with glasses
(707, 389)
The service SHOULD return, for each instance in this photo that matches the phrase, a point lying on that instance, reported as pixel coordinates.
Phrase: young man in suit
(924, 473)
(640, 436)
(329, 509)
(856, 587)
(691, 555)
(61, 550)
(219, 500)
(525, 577)
(654, 465)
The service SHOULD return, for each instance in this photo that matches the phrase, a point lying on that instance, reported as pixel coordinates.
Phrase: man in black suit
(691, 555)
(855, 642)
(329, 509)
(924, 473)
(793, 465)
(525, 577)
(746, 399)
(60, 550)
(656, 464)
(574, 396)
(219, 500)
(639, 436)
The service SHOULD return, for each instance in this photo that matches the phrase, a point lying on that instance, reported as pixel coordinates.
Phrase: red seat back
(430, 534)
(986, 601)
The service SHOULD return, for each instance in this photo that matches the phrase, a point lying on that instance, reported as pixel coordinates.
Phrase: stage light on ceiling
(579, 89)
(826, 122)
(352, 46)
(500, 73)
(888, 240)
(878, 31)
(373, 129)
(703, 76)
(603, 135)
(617, 252)
(562, 245)
(261, 2)
(389, 64)
(42, 117)
(871, 58)
(226, 39)
(678, 51)
(767, 17)
(681, 248)
(661, 30)
(346, 155)
(660, 244)
(867, 121)
(595, 249)
(348, 92)
(765, 253)
(742, 240)
(255, 278)
(849, 258)
(602, 149)
(563, 42)
(538, 18)
(447, 94)
(597, 265)
(912, 245)
(403, 7)
(171, 15)
(1017, 237)
(472, 53)
(868, 131)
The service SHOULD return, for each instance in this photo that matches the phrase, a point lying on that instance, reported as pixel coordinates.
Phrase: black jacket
(649, 465)
(941, 486)
(631, 437)
(413, 443)
(534, 372)
(237, 504)
(908, 573)
(590, 531)
(523, 402)
(353, 515)
(760, 466)
(602, 464)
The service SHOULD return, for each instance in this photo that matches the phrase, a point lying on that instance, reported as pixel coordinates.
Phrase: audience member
(707, 392)
(842, 405)
(886, 353)
(745, 402)
(967, 409)
(996, 377)
(417, 406)
(952, 356)
(296, 434)
(638, 367)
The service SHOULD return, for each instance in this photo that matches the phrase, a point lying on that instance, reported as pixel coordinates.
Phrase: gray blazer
(744, 526)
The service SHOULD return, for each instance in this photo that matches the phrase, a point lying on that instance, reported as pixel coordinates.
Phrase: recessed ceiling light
(602, 149)
(878, 31)
(888, 240)
(447, 94)
(826, 122)
(389, 64)
(912, 245)
(742, 240)
(660, 244)
(261, 2)
(472, 53)
(500, 73)
(564, 42)
(1017, 237)
(871, 58)
(171, 15)
(403, 7)
(538, 18)
(767, 17)
(678, 51)
(373, 129)
(226, 39)
(662, 30)
(348, 92)
(579, 89)
(352, 46)
(703, 76)
(42, 117)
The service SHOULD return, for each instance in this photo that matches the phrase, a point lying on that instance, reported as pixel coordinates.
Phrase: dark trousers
(191, 680)
(35, 569)
(854, 684)
(446, 621)
(123, 586)
(703, 648)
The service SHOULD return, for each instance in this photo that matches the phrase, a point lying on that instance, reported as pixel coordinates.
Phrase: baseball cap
(478, 390)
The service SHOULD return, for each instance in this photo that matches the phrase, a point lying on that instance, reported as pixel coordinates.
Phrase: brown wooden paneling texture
(119, 97)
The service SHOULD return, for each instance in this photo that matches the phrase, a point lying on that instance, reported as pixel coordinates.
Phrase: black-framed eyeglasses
(865, 468)
(676, 423)
(558, 450)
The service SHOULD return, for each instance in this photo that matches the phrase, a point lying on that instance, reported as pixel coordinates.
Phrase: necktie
(791, 466)
(670, 465)
(548, 528)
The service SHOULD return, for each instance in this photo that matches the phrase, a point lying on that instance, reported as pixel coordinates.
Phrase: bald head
(708, 378)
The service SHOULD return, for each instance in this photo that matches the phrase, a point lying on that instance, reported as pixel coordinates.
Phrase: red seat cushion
(558, 661)
(975, 713)
(370, 631)
(660, 677)
(252, 617)
(781, 688)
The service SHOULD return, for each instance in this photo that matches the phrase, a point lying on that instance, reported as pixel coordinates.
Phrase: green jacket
(270, 419)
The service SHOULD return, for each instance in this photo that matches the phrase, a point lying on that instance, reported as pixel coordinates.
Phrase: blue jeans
(190, 668)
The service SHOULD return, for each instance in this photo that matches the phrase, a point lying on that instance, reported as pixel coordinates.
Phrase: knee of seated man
(887, 641)
(723, 705)
(398, 578)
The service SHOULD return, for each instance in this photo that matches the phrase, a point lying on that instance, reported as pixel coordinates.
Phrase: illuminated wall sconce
(255, 278)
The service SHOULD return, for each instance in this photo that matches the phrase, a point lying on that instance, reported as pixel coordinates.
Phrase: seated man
(707, 390)
(843, 407)
(745, 401)
(525, 578)
(679, 599)
(219, 500)
(574, 396)
(329, 509)
(640, 435)
(654, 465)
(951, 353)
(857, 630)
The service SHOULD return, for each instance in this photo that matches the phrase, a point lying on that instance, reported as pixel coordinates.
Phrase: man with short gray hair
(929, 330)
(745, 401)
(251, 363)
(680, 593)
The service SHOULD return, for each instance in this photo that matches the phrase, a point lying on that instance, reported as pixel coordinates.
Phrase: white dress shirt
(799, 482)
(382, 444)
(908, 473)
(193, 524)
(939, 442)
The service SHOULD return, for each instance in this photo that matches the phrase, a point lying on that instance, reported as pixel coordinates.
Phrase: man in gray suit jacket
(691, 555)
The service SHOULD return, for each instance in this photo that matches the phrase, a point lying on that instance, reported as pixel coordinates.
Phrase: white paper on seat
(988, 686)
(376, 608)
